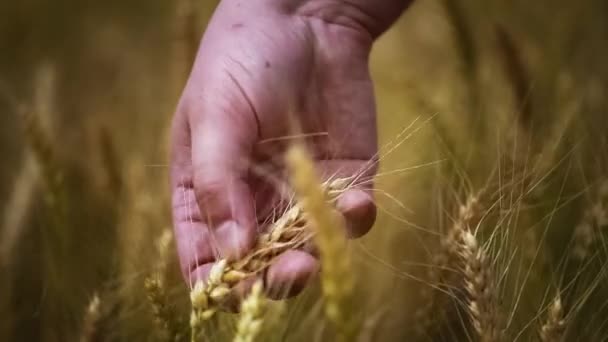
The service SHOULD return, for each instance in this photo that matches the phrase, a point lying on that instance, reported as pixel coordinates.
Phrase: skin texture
(263, 66)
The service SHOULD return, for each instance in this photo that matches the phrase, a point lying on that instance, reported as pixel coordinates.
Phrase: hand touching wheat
(261, 64)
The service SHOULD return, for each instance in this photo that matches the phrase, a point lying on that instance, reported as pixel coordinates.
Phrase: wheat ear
(594, 220)
(553, 328)
(480, 288)
(251, 319)
(91, 317)
(162, 310)
(447, 259)
(290, 231)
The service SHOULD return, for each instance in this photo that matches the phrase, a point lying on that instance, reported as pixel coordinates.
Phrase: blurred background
(505, 97)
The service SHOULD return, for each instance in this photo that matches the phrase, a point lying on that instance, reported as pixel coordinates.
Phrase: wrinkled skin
(264, 65)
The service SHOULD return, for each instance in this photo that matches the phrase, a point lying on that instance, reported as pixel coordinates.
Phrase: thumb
(221, 148)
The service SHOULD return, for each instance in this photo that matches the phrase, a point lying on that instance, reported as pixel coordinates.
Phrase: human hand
(262, 63)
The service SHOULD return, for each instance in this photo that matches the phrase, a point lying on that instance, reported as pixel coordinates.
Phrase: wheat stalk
(336, 279)
(17, 207)
(517, 75)
(554, 327)
(163, 246)
(112, 166)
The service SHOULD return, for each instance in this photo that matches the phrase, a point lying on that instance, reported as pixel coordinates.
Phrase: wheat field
(492, 188)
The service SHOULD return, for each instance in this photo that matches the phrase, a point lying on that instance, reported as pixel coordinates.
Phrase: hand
(260, 64)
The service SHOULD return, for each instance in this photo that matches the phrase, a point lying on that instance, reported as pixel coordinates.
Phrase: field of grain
(492, 189)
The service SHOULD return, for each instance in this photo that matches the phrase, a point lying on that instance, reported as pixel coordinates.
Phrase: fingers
(221, 150)
(191, 233)
(356, 203)
(290, 273)
(358, 208)
(213, 208)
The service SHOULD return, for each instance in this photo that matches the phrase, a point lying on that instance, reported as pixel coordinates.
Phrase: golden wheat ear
(162, 310)
(292, 230)
(554, 326)
(595, 218)
(443, 262)
(90, 320)
(253, 310)
(337, 276)
(480, 286)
